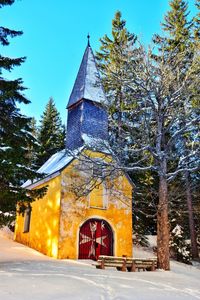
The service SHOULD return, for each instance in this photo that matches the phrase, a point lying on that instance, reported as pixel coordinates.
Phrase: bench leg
(153, 266)
(123, 269)
(102, 266)
(133, 267)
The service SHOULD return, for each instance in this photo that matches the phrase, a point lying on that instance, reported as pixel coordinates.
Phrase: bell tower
(87, 118)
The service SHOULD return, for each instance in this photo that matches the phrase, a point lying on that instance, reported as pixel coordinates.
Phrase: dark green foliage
(179, 248)
(33, 149)
(15, 133)
(177, 28)
(197, 22)
(116, 60)
(145, 203)
(6, 2)
(7, 219)
(115, 54)
(51, 135)
(177, 25)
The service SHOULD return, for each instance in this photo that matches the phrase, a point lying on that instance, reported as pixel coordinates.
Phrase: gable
(61, 160)
(87, 177)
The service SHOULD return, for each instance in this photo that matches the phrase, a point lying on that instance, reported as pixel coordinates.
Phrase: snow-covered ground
(27, 274)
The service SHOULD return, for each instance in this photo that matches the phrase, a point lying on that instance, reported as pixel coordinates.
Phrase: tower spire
(87, 118)
(87, 84)
(88, 37)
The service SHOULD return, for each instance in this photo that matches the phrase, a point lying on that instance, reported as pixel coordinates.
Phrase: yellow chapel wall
(44, 224)
(75, 211)
(58, 216)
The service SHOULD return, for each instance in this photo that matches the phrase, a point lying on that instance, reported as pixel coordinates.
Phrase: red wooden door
(95, 238)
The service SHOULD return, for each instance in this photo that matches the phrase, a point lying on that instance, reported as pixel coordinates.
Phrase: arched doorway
(95, 238)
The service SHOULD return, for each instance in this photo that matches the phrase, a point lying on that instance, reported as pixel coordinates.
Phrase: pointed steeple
(87, 118)
(87, 85)
(88, 37)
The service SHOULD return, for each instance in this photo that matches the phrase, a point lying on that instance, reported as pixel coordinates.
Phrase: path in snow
(27, 274)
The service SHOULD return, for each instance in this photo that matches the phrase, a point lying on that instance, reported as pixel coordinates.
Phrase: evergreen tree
(178, 246)
(116, 58)
(161, 89)
(196, 44)
(15, 134)
(179, 41)
(51, 135)
(197, 22)
(34, 148)
(113, 59)
(195, 97)
(157, 91)
(177, 28)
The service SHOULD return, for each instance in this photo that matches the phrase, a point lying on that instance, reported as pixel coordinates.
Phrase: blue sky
(54, 40)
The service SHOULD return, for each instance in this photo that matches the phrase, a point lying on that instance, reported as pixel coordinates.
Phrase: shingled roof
(87, 85)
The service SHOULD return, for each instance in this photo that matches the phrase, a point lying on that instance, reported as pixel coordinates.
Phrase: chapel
(84, 213)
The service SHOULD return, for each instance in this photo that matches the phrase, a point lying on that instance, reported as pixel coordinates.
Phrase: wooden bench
(127, 263)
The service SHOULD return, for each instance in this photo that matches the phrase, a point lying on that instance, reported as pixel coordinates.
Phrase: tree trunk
(193, 235)
(163, 226)
(120, 117)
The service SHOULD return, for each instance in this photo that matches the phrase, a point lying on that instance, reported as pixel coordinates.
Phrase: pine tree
(179, 41)
(177, 28)
(196, 44)
(178, 246)
(157, 91)
(51, 135)
(195, 92)
(197, 22)
(15, 133)
(113, 59)
(161, 89)
(34, 148)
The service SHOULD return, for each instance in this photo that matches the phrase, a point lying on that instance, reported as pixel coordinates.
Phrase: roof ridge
(85, 70)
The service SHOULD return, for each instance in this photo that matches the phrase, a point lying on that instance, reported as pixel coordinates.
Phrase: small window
(27, 219)
(98, 196)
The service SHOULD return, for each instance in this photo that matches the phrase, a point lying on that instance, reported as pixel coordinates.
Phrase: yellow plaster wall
(44, 225)
(58, 216)
(95, 198)
(75, 211)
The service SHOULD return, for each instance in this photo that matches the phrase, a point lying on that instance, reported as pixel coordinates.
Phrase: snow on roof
(62, 158)
(88, 84)
(54, 164)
